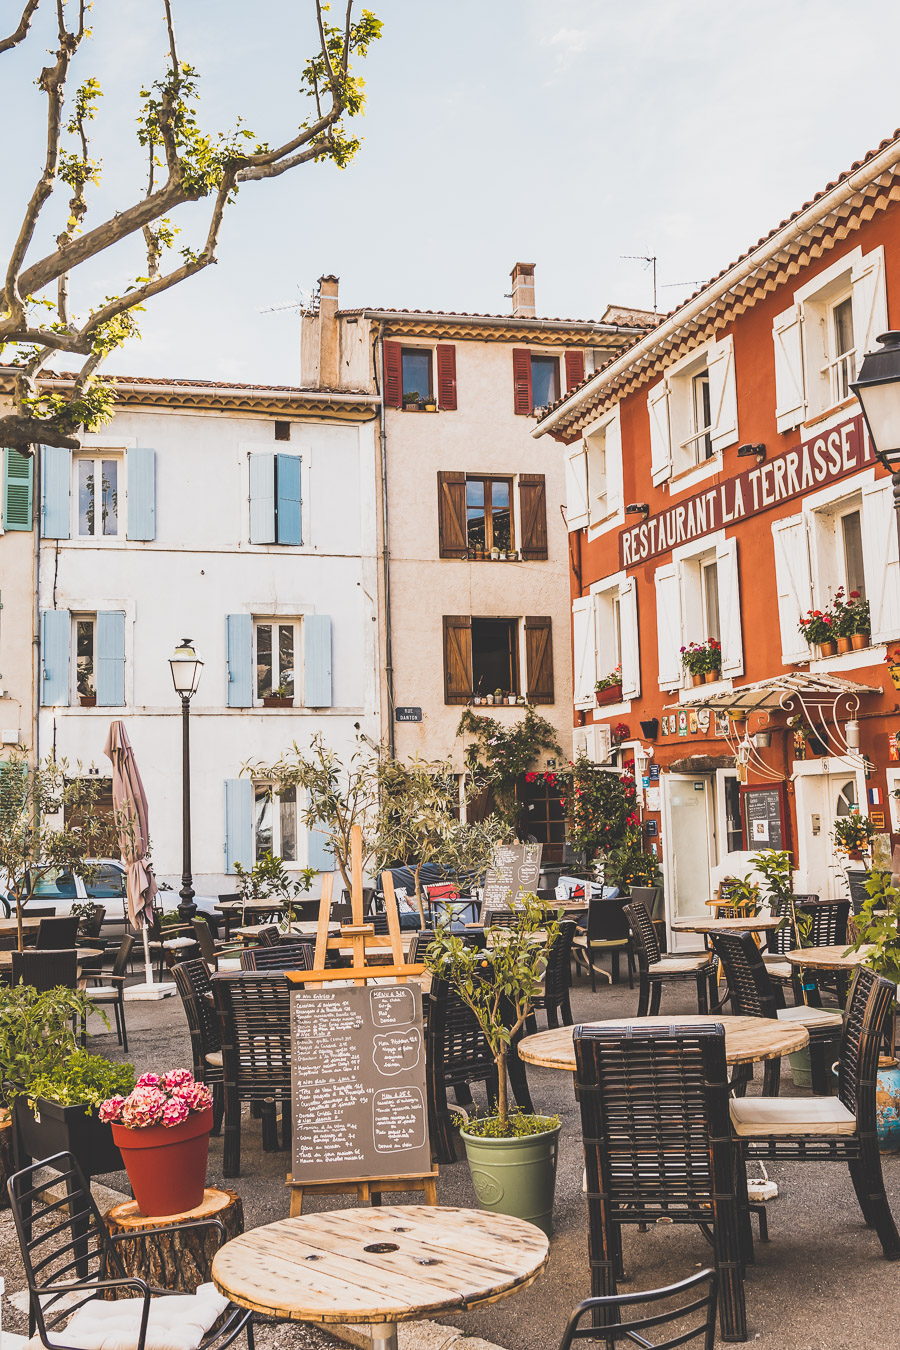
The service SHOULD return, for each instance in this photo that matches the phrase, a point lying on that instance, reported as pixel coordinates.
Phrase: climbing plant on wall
(498, 754)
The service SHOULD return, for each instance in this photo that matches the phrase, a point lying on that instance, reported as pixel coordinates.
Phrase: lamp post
(877, 386)
(186, 667)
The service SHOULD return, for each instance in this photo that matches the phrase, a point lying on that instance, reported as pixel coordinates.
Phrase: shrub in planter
(59, 1111)
(162, 1129)
(852, 835)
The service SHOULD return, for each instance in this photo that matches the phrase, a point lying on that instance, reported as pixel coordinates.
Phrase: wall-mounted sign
(652, 828)
(877, 819)
(408, 714)
(764, 812)
(812, 464)
(654, 773)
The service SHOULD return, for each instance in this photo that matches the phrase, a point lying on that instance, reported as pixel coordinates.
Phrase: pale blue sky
(561, 132)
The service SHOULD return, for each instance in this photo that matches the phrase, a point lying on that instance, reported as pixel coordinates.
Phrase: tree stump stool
(179, 1260)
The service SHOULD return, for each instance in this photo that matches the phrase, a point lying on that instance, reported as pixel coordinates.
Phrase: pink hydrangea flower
(111, 1109)
(196, 1096)
(149, 1080)
(143, 1107)
(175, 1111)
(177, 1078)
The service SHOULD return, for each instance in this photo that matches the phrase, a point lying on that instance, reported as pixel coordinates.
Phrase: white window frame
(294, 864)
(675, 435)
(604, 437)
(690, 621)
(97, 453)
(274, 620)
(81, 616)
(822, 512)
(616, 636)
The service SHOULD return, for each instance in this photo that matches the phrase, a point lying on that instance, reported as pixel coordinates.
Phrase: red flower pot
(166, 1165)
(612, 694)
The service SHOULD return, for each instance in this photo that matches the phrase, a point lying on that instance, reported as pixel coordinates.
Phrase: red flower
(550, 779)
(854, 595)
(530, 777)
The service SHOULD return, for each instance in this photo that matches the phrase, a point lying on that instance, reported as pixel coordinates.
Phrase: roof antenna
(651, 262)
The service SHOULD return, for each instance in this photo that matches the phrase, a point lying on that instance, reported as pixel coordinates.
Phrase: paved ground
(819, 1284)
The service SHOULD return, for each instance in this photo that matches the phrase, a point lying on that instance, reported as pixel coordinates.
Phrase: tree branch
(275, 170)
(22, 31)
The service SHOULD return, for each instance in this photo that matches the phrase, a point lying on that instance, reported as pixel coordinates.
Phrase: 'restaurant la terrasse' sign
(813, 464)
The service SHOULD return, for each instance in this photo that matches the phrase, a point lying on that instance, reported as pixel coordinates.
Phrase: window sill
(698, 692)
(420, 410)
(471, 558)
(824, 415)
(866, 656)
(688, 478)
(611, 710)
(494, 707)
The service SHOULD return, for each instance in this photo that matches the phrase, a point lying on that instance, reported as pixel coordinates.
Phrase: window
(693, 411)
(85, 656)
(282, 431)
(495, 656)
(482, 655)
(842, 366)
(698, 598)
(476, 514)
(416, 365)
(851, 539)
(605, 636)
(277, 650)
(98, 496)
(709, 582)
(274, 823)
(701, 417)
(544, 380)
(594, 489)
(276, 500)
(412, 370)
(541, 816)
(489, 521)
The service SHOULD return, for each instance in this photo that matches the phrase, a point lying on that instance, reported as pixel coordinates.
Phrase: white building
(244, 518)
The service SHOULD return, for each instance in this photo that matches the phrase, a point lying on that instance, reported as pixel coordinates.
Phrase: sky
(567, 133)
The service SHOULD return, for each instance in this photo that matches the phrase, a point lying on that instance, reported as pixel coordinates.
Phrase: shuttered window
(539, 659)
(18, 487)
(489, 518)
(522, 381)
(238, 823)
(452, 515)
(239, 651)
(533, 516)
(317, 661)
(140, 468)
(56, 478)
(574, 369)
(276, 503)
(55, 642)
(446, 377)
(393, 375)
(111, 658)
(457, 658)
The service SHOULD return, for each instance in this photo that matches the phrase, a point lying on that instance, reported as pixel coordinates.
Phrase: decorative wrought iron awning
(778, 693)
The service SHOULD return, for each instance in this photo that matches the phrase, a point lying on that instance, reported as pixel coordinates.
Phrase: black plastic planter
(49, 1128)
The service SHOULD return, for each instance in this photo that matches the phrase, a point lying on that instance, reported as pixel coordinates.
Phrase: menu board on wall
(515, 869)
(764, 813)
(358, 1083)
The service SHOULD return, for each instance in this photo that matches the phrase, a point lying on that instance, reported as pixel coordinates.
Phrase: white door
(822, 798)
(690, 844)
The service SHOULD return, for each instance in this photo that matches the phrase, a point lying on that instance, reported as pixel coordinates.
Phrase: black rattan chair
(286, 956)
(193, 985)
(655, 970)
(456, 1056)
(835, 1129)
(555, 999)
(114, 991)
(255, 1030)
(658, 1147)
(45, 969)
(754, 995)
(268, 937)
(500, 918)
(212, 951)
(92, 925)
(422, 940)
(71, 1259)
(608, 930)
(619, 1330)
(54, 934)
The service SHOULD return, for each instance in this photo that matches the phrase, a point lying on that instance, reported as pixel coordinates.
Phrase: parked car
(62, 889)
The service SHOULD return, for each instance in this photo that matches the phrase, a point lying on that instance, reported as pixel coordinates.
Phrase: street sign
(408, 714)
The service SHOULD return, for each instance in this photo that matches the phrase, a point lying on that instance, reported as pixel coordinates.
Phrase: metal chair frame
(649, 955)
(286, 956)
(608, 930)
(117, 979)
(619, 1330)
(195, 990)
(554, 1001)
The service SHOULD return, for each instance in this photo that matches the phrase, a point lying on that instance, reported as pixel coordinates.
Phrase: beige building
(474, 578)
(18, 656)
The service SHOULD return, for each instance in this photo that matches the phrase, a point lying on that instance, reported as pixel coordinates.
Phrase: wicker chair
(57, 933)
(608, 930)
(193, 985)
(456, 1056)
(619, 1330)
(658, 1147)
(500, 918)
(656, 970)
(286, 956)
(754, 995)
(46, 969)
(835, 1129)
(91, 927)
(422, 940)
(217, 955)
(828, 928)
(555, 999)
(268, 937)
(114, 991)
(255, 1029)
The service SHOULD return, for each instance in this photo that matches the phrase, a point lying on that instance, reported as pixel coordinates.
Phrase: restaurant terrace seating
(655, 970)
(193, 984)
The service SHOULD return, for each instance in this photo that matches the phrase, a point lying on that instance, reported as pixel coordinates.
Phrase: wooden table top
(300, 929)
(83, 953)
(756, 923)
(748, 1040)
(322, 1267)
(828, 958)
(28, 925)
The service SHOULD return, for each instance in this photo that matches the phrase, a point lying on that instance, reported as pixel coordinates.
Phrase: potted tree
(512, 1156)
(269, 879)
(162, 1130)
(608, 688)
(852, 835)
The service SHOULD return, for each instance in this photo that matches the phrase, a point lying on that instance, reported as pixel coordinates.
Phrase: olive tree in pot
(512, 1156)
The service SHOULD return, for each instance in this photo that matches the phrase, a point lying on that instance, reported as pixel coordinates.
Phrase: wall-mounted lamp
(851, 734)
(758, 450)
(638, 509)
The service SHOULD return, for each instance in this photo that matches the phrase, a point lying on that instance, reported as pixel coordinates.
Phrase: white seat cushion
(774, 1117)
(676, 964)
(103, 991)
(176, 1322)
(811, 1017)
(214, 1059)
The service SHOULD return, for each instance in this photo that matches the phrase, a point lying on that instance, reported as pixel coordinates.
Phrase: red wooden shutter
(574, 369)
(457, 658)
(522, 380)
(539, 659)
(533, 516)
(452, 515)
(393, 375)
(446, 377)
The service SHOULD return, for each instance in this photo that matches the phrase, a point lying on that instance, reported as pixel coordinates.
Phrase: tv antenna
(649, 261)
(308, 303)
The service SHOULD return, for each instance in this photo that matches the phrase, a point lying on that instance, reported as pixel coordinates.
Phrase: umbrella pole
(148, 964)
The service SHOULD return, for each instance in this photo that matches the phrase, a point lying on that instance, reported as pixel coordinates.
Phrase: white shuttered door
(869, 302)
(585, 654)
(793, 585)
(790, 386)
(880, 560)
(660, 436)
(668, 625)
(730, 629)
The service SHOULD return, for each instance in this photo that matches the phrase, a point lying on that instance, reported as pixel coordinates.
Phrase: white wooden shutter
(723, 393)
(880, 560)
(584, 649)
(660, 437)
(576, 488)
(730, 630)
(628, 629)
(793, 585)
(668, 625)
(790, 385)
(869, 302)
(615, 491)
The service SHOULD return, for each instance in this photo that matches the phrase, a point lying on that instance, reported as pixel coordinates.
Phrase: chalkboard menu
(358, 1083)
(764, 811)
(514, 870)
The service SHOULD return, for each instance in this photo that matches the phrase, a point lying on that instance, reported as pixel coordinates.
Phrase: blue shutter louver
(318, 851)
(56, 630)
(287, 479)
(56, 478)
(141, 477)
(238, 823)
(111, 658)
(18, 488)
(262, 499)
(239, 642)
(317, 660)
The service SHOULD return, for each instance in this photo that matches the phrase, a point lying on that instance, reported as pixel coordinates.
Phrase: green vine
(600, 807)
(499, 755)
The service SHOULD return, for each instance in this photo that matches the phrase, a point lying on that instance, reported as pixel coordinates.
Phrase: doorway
(690, 846)
(821, 799)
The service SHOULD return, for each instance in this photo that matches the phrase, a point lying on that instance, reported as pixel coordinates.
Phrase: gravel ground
(817, 1284)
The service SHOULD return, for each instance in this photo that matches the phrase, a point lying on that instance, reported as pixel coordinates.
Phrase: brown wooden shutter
(539, 659)
(574, 369)
(446, 377)
(457, 658)
(452, 515)
(533, 516)
(393, 375)
(522, 380)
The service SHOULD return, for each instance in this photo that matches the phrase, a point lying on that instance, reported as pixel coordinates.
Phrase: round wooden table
(754, 923)
(384, 1265)
(84, 953)
(748, 1040)
(28, 925)
(828, 958)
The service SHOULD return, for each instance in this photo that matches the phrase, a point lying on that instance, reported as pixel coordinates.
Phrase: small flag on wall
(874, 796)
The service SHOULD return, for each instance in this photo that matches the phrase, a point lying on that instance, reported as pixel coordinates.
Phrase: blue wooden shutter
(18, 487)
(56, 478)
(287, 478)
(110, 658)
(239, 637)
(262, 499)
(238, 823)
(141, 477)
(56, 635)
(318, 849)
(317, 660)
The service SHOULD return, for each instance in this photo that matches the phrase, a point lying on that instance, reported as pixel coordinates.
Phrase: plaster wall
(16, 628)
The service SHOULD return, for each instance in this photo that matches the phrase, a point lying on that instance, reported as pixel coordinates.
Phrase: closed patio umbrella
(130, 804)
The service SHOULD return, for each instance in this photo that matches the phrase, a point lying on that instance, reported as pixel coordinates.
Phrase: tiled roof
(462, 316)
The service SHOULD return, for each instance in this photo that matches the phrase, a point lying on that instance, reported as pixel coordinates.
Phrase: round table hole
(313, 1257)
(381, 1247)
(429, 1261)
(400, 1230)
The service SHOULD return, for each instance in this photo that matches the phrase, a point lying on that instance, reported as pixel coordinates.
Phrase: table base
(384, 1335)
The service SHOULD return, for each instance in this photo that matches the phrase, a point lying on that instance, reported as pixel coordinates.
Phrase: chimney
(329, 360)
(523, 290)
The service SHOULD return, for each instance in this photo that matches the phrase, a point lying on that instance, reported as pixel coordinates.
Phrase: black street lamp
(877, 386)
(186, 667)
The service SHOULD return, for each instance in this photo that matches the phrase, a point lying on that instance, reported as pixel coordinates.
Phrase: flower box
(274, 701)
(611, 694)
(87, 700)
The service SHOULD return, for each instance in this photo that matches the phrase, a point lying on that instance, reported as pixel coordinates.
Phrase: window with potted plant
(608, 688)
(818, 629)
(703, 661)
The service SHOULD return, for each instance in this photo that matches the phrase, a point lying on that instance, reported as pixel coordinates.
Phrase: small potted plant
(818, 629)
(499, 697)
(162, 1131)
(511, 700)
(489, 700)
(608, 689)
(843, 621)
(512, 554)
(430, 403)
(283, 695)
(862, 623)
(87, 695)
(495, 554)
(511, 1155)
(411, 401)
(620, 732)
(702, 661)
(893, 664)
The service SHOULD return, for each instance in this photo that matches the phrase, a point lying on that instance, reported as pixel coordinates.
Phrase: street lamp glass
(186, 667)
(877, 386)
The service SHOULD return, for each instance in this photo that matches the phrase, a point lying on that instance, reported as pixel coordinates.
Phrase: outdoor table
(829, 958)
(748, 1040)
(300, 928)
(753, 923)
(84, 954)
(28, 926)
(382, 1266)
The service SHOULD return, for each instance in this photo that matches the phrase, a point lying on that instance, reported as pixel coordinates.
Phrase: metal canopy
(773, 694)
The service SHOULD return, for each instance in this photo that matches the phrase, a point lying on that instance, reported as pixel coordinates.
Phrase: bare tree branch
(22, 31)
(274, 170)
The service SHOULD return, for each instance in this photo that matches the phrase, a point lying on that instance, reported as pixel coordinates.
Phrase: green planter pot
(801, 1070)
(515, 1176)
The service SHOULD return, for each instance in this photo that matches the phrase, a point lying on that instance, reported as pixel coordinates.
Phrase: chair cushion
(228, 963)
(773, 1117)
(103, 992)
(677, 965)
(811, 1017)
(176, 1322)
(214, 1059)
(778, 968)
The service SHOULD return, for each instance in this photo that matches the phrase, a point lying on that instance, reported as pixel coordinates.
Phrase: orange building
(720, 485)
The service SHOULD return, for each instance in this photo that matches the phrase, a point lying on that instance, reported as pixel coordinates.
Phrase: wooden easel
(362, 940)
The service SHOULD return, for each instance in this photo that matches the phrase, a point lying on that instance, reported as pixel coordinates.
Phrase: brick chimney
(329, 345)
(523, 290)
